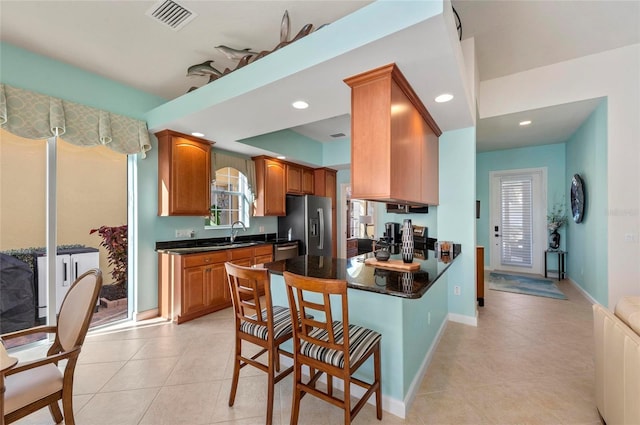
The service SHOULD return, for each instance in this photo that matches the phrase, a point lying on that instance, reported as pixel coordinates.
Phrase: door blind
(516, 197)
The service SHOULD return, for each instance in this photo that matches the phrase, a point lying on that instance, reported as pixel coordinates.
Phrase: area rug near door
(524, 285)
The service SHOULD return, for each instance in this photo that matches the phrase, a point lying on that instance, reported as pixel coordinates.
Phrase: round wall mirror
(577, 198)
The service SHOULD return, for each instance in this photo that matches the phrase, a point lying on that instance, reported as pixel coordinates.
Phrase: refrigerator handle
(321, 218)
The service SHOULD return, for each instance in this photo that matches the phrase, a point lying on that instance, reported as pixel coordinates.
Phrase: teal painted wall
(422, 319)
(294, 146)
(337, 153)
(23, 69)
(456, 215)
(550, 156)
(587, 241)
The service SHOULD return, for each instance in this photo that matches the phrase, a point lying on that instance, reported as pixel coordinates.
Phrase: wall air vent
(171, 14)
(335, 136)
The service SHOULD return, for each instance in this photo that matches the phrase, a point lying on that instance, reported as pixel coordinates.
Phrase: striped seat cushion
(360, 341)
(281, 324)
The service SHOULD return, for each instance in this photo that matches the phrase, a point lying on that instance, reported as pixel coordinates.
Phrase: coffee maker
(392, 238)
(392, 233)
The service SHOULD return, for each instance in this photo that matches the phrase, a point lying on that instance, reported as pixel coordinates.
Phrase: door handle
(321, 218)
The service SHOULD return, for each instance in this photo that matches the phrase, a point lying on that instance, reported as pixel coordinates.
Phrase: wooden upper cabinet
(271, 188)
(325, 184)
(184, 174)
(294, 179)
(299, 179)
(394, 140)
(307, 181)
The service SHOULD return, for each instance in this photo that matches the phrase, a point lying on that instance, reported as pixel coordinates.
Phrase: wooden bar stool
(324, 347)
(267, 326)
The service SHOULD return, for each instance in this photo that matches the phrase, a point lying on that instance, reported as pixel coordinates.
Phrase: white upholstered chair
(32, 385)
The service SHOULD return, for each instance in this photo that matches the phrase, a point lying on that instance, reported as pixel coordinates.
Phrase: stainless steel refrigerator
(308, 220)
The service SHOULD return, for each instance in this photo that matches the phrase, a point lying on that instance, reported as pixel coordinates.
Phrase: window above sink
(231, 199)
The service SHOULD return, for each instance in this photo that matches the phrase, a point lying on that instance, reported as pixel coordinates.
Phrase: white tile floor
(529, 361)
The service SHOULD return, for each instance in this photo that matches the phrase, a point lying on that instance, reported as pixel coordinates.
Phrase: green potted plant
(114, 239)
(214, 217)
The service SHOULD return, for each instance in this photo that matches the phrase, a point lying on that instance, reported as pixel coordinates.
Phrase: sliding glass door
(52, 194)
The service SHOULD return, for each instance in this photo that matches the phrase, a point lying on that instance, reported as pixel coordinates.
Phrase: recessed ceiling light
(196, 134)
(445, 97)
(281, 157)
(300, 104)
(526, 122)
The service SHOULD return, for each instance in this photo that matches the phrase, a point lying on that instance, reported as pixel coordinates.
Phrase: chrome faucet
(234, 232)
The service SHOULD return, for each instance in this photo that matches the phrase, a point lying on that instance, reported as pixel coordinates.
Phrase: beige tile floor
(529, 361)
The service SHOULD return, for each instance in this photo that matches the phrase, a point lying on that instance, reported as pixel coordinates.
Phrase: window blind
(516, 197)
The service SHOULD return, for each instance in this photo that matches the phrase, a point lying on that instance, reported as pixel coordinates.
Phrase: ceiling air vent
(337, 135)
(171, 14)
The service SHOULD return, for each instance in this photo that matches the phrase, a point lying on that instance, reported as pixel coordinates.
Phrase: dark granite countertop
(365, 277)
(192, 246)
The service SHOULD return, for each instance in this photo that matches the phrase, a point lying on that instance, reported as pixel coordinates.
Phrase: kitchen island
(409, 309)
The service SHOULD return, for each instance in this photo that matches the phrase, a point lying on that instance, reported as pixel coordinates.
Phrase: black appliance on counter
(392, 240)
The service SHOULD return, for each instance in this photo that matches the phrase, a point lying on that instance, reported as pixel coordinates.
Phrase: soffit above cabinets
(256, 100)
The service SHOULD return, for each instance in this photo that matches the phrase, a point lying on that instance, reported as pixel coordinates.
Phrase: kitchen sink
(216, 247)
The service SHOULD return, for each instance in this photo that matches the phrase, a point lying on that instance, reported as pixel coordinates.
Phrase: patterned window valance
(37, 116)
(244, 165)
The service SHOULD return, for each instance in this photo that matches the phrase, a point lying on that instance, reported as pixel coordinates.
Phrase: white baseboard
(465, 320)
(582, 291)
(399, 408)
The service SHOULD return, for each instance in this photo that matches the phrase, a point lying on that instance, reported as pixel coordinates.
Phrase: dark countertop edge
(215, 243)
(368, 288)
(214, 248)
(197, 243)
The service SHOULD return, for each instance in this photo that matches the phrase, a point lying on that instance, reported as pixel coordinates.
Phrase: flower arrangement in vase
(555, 220)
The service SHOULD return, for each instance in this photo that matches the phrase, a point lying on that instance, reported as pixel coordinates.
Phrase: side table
(561, 263)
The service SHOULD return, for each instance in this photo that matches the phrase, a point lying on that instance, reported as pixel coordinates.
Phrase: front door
(518, 220)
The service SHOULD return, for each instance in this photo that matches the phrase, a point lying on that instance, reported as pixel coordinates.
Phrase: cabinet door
(184, 175)
(218, 286)
(261, 259)
(275, 201)
(307, 181)
(294, 179)
(83, 262)
(331, 187)
(325, 184)
(194, 289)
(62, 284)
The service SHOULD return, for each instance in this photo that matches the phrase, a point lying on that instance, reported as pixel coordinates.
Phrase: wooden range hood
(394, 140)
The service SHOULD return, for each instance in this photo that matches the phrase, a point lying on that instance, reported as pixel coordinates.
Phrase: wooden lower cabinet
(263, 254)
(194, 294)
(193, 285)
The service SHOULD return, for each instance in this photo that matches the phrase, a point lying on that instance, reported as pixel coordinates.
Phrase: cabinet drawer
(266, 249)
(237, 253)
(193, 260)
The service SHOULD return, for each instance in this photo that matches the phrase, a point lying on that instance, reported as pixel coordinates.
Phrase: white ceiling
(116, 40)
